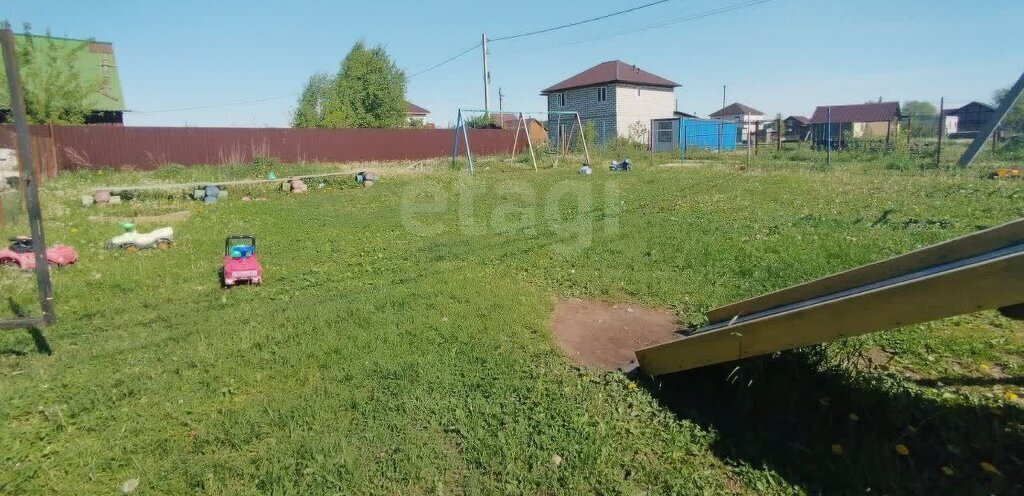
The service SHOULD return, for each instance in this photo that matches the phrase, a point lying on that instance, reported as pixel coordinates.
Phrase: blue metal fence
(706, 134)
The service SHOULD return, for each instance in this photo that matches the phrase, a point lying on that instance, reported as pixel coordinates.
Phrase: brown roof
(415, 109)
(615, 71)
(864, 112)
(799, 118)
(736, 109)
(508, 119)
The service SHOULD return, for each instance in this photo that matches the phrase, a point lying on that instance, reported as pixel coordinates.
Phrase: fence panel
(147, 148)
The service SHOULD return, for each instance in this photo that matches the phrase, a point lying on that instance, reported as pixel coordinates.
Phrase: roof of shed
(862, 112)
(799, 118)
(615, 71)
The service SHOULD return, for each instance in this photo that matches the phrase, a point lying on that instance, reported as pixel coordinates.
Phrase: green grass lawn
(399, 343)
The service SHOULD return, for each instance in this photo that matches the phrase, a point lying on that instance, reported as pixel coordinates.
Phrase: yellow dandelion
(946, 469)
(837, 449)
(988, 467)
(853, 417)
(984, 367)
(1011, 396)
(632, 385)
(901, 449)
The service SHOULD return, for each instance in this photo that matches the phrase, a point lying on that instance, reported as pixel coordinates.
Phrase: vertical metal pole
(721, 120)
(682, 129)
(28, 175)
(501, 103)
(778, 134)
(487, 76)
(828, 138)
(1004, 108)
(749, 137)
(529, 141)
(942, 129)
(469, 153)
(455, 142)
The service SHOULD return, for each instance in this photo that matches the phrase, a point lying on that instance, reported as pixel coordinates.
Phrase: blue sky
(782, 56)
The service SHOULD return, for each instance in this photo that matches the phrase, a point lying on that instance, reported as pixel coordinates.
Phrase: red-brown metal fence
(146, 148)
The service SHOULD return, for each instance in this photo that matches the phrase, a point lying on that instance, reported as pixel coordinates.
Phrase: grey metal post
(993, 123)
(28, 178)
(828, 138)
(487, 76)
(942, 129)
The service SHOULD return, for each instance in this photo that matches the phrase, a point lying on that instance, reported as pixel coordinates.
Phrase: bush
(620, 148)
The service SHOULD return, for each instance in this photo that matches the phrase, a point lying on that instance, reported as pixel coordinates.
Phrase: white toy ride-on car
(133, 240)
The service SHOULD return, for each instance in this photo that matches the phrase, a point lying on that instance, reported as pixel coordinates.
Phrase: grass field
(399, 343)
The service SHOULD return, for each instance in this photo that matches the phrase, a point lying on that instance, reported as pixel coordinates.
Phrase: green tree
(367, 91)
(55, 91)
(923, 117)
(1014, 119)
(314, 101)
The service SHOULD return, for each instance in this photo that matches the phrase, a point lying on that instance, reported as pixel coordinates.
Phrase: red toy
(20, 254)
(240, 262)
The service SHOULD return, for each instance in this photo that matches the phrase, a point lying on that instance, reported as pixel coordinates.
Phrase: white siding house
(747, 119)
(619, 99)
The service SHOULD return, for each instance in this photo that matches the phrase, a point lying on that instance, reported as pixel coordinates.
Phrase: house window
(561, 99)
(665, 132)
(602, 94)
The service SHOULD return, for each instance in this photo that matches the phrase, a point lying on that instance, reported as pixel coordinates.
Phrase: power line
(445, 61)
(691, 17)
(577, 23)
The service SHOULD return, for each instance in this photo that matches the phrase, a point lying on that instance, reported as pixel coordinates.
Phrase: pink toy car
(240, 262)
(20, 254)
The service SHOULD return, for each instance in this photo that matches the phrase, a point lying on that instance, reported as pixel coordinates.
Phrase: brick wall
(584, 101)
(641, 104)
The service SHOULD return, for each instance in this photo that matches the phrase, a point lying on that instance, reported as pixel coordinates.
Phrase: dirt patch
(598, 335)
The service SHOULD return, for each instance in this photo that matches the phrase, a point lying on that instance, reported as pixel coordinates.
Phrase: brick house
(615, 96)
(416, 115)
(747, 119)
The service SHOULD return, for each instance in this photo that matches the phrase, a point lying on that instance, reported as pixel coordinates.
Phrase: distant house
(968, 120)
(837, 123)
(509, 120)
(684, 115)
(618, 98)
(95, 65)
(415, 114)
(797, 128)
(747, 119)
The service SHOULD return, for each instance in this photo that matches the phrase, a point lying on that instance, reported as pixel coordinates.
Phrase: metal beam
(969, 286)
(997, 118)
(30, 183)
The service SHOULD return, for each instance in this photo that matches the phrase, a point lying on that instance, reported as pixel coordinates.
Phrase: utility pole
(487, 76)
(942, 128)
(501, 102)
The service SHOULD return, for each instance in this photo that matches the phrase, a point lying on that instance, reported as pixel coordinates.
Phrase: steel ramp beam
(830, 308)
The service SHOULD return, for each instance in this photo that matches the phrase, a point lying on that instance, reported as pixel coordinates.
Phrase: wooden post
(942, 128)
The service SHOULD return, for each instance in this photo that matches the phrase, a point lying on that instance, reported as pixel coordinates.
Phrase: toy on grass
(209, 194)
(133, 241)
(619, 166)
(586, 170)
(366, 178)
(20, 254)
(240, 262)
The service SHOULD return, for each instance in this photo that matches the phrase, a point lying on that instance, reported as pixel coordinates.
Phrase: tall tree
(368, 91)
(313, 102)
(55, 90)
(1014, 119)
(923, 117)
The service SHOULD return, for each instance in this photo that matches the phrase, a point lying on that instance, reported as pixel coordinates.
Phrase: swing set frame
(462, 134)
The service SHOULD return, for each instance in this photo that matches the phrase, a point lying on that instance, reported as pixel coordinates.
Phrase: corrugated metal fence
(146, 148)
